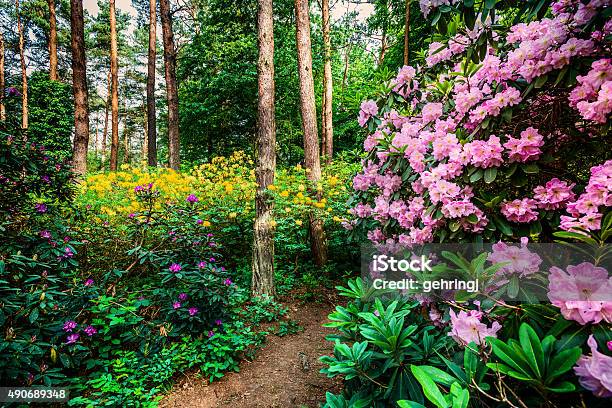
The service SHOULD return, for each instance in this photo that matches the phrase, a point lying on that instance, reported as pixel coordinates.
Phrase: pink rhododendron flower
(521, 211)
(594, 371)
(518, 259)
(554, 194)
(466, 327)
(583, 293)
(368, 109)
(175, 268)
(527, 147)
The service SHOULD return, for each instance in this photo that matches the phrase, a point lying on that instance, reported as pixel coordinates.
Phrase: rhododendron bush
(503, 132)
(500, 135)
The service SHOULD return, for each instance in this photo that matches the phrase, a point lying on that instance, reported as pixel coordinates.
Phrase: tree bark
(407, 34)
(263, 237)
(52, 42)
(309, 121)
(327, 125)
(79, 87)
(171, 86)
(114, 66)
(2, 85)
(145, 146)
(151, 130)
(105, 132)
(24, 74)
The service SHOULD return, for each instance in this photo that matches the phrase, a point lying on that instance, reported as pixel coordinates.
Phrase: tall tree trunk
(309, 121)
(407, 34)
(2, 108)
(126, 135)
(383, 47)
(79, 87)
(171, 87)
(145, 127)
(52, 42)
(151, 131)
(105, 131)
(97, 137)
(114, 66)
(327, 125)
(24, 74)
(347, 53)
(263, 237)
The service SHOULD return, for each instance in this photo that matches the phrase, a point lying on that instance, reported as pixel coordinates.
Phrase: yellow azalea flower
(273, 224)
(272, 187)
(298, 222)
(285, 193)
(206, 224)
(232, 215)
(301, 187)
(287, 209)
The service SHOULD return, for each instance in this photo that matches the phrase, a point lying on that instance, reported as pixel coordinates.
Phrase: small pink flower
(69, 325)
(89, 282)
(175, 268)
(594, 371)
(191, 198)
(467, 327)
(176, 305)
(193, 311)
(182, 296)
(227, 282)
(73, 338)
(90, 330)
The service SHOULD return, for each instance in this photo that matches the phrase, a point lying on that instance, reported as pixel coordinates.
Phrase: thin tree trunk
(145, 127)
(327, 125)
(24, 74)
(151, 126)
(126, 135)
(347, 53)
(114, 63)
(383, 47)
(263, 236)
(97, 137)
(309, 121)
(407, 34)
(79, 86)
(171, 87)
(2, 108)
(52, 42)
(105, 132)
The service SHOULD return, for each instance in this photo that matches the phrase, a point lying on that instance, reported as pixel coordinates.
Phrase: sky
(338, 8)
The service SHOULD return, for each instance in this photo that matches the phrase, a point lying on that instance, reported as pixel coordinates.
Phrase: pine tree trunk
(2, 84)
(97, 137)
(327, 125)
(145, 127)
(105, 132)
(52, 42)
(407, 34)
(263, 237)
(114, 63)
(309, 121)
(151, 131)
(24, 74)
(171, 86)
(79, 86)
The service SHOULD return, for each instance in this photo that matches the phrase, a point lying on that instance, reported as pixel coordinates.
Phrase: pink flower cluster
(467, 327)
(517, 259)
(594, 371)
(368, 109)
(527, 147)
(583, 293)
(554, 194)
(522, 211)
(585, 211)
(593, 96)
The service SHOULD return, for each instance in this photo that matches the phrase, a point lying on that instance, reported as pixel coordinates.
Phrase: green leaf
(490, 174)
(430, 389)
(532, 347)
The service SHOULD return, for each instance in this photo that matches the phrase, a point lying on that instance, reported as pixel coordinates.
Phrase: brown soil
(285, 372)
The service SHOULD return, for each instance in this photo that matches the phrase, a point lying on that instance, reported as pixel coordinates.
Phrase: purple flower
(45, 234)
(12, 91)
(41, 208)
(199, 222)
(138, 189)
(71, 339)
(182, 296)
(594, 371)
(202, 265)
(175, 268)
(68, 252)
(191, 198)
(218, 322)
(89, 282)
(376, 313)
(90, 330)
(132, 215)
(69, 325)
(212, 259)
(46, 179)
(176, 305)
(211, 333)
(227, 282)
(192, 311)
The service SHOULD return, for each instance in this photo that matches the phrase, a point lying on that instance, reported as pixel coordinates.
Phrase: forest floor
(284, 373)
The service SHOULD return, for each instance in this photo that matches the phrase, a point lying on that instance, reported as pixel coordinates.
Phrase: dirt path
(285, 373)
